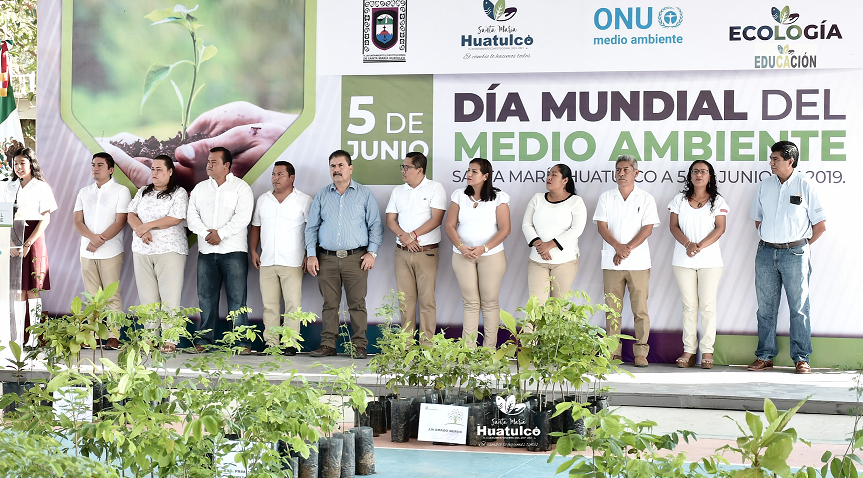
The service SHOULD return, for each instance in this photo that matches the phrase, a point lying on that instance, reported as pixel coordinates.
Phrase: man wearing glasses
(414, 215)
(789, 217)
(343, 234)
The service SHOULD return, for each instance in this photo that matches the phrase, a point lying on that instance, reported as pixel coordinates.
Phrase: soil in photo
(150, 148)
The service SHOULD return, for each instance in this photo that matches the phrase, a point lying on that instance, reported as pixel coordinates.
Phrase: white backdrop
(563, 58)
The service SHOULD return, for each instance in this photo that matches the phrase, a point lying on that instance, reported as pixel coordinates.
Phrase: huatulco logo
(508, 405)
(498, 11)
(497, 36)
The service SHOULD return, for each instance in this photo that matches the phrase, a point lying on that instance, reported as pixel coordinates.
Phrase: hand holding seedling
(248, 131)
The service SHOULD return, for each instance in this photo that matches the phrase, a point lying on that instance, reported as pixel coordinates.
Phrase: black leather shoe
(323, 351)
(290, 351)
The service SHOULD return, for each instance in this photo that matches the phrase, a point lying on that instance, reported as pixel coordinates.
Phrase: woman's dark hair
(712, 188)
(172, 179)
(35, 168)
(566, 173)
(488, 192)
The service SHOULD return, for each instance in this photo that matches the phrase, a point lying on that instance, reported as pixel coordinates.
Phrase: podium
(11, 247)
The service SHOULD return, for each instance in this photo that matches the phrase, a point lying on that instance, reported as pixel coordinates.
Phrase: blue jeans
(774, 269)
(214, 269)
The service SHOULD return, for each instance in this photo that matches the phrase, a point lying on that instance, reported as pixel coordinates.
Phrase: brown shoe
(759, 365)
(802, 367)
(195, 349)
(616, 357)
(707, 360)
(111, 344)
(168, 348)
(360, 353)
(246, 351)
(686, 362)
(640, 361)
(323, 351)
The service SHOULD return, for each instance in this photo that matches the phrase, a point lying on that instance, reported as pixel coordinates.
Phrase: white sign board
(443, 423)
(6, 218)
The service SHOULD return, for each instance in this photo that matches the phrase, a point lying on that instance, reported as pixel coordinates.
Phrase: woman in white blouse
(160, 246)
(552, 224)
(477, 223)
(35, 202)
(697, 222)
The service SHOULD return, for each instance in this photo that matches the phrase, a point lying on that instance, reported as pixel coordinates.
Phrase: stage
(659, 385)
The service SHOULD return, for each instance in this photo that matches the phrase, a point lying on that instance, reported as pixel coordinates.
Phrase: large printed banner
(525, 84)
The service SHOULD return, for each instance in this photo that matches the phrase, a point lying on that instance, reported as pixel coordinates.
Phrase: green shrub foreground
(148, 422)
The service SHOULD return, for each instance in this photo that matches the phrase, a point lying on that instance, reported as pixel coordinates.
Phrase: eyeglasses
(405, 167)
(700, 171)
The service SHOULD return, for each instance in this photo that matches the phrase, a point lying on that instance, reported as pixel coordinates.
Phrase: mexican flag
(10, 124)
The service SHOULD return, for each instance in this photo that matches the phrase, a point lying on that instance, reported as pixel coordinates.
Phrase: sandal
(168, 348)
(706, 360)
(686, 362)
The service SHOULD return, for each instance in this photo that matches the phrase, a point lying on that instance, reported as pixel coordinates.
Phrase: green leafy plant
(89, 319)
(767, 448)
(158, 72)
(554, 345)
(620, 447)
(18, 360)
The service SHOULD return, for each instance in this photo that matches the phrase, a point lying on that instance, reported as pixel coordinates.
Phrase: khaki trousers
(333, 274)
(558, 277)
(277, 282)
(638, 283)
(479, 282)
(160, 279)
(100, 273)
(416, 273)
(698, 289)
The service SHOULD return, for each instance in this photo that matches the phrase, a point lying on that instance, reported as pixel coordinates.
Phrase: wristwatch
(374, 254)
(485, 247)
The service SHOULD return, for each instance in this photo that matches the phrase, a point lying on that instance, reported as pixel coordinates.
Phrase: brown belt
(425, 248)
(785, 245)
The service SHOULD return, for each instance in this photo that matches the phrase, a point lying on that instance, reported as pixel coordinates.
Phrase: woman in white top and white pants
(552, 224)
(477, 223)
(697, 222)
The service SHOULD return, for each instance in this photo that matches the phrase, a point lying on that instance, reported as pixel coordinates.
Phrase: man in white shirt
(220, 209)
(100, 218)
(789, 217)
(625, 218)
(279, 224)
(414, 215)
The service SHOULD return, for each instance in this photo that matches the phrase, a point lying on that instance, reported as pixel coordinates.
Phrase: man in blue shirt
(343, 234)
(789, 217)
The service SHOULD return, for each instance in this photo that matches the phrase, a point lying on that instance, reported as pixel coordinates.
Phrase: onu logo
(508, 405)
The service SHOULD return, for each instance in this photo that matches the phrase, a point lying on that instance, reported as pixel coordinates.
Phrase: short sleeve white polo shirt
(414, 207)
(100, 207)
(625, 219)
(782, 220)
(283, 227)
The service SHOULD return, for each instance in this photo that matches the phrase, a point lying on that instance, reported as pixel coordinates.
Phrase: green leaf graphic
(499, 9)
(208, 52)
(785, 12)
(776, 14)
(155, 75)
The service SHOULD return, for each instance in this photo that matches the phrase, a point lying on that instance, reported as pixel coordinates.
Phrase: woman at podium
(35, 203)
